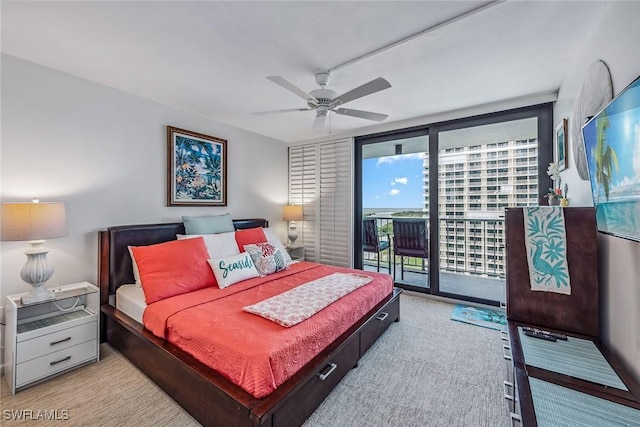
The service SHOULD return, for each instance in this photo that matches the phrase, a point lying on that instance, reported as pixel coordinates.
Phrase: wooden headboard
(114, 265)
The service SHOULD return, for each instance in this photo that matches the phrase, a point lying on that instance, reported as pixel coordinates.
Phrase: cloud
(394, 192)
(389, 159)
(400, 157)
(404, 180)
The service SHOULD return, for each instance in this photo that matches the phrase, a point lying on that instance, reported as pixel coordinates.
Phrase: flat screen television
(612, 145)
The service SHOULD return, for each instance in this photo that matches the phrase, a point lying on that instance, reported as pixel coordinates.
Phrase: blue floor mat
(493, 319)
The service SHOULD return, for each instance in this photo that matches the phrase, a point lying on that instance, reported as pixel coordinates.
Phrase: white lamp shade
(292, 213)
(33, 221)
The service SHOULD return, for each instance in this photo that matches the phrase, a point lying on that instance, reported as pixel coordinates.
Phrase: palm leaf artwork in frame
(196, 169)
(560, 152)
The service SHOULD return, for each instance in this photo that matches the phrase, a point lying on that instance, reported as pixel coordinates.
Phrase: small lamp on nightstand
(292, 213)
(34, 222)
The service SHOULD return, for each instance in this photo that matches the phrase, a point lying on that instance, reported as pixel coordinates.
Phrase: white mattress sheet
(130, 300)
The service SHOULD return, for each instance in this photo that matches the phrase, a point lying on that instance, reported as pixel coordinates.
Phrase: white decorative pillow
(218, 245)
(266, 257)
(273, 238)
(136, 272)
(233, 269)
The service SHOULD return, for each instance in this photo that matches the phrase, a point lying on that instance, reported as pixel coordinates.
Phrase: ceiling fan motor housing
(323, 96)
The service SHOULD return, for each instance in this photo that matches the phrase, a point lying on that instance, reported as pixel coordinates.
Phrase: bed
(209, 396)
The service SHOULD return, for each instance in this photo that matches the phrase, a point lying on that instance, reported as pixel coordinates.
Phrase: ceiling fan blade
(318, 123)
(286, 110)
(281, 81)
(373, 86)
(361, 114)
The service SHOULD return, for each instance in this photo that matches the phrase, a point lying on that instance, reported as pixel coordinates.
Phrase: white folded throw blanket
(292, 307)
(546, 242)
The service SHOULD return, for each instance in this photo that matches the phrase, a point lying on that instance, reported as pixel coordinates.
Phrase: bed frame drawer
(379, 323)
(295, 411)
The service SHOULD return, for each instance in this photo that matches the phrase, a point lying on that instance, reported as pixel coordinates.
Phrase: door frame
(544, 114)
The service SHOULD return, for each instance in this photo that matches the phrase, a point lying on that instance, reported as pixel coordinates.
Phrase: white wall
(103, 152)
(615, 42)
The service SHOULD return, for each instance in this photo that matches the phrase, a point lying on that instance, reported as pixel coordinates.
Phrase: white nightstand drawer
(56, 341)
(45, 366)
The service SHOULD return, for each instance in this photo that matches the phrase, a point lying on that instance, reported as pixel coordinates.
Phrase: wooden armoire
(578, 312)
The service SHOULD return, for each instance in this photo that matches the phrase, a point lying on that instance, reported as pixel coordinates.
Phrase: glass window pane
(498, 167)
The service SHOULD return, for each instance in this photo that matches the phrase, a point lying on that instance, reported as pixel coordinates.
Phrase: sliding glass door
(394, 187)
(481, 171)
(446, 186)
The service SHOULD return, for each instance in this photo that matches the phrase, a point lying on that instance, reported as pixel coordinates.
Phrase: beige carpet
(426, 370)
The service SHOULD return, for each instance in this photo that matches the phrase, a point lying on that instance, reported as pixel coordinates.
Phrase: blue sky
(392, 182)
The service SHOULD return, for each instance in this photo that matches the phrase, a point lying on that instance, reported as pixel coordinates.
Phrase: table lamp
(292, 213)
(34, 222)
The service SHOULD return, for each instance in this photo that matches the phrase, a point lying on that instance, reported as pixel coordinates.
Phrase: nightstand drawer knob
(60, 341)
(64, 359)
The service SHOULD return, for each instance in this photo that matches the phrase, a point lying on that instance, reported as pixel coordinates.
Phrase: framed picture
(560, 153)
(196, 169)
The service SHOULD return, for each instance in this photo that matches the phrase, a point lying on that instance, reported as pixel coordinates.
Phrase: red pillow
(173, 268)
(250, 236)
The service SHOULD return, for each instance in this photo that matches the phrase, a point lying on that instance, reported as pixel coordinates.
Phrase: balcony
(474, 269)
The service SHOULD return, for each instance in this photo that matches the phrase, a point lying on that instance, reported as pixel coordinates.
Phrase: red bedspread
(256, 354)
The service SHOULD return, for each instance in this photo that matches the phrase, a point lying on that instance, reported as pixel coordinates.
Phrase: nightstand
(51, 337)
(296, 252)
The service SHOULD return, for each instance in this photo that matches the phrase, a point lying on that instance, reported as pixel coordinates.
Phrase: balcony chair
(410, 238)
(373, 242)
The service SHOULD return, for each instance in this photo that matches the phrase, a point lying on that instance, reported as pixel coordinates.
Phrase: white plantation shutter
(335, 203)
(320, 178)
(302, 191)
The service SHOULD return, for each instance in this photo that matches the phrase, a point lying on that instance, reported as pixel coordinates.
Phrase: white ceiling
(212, 57)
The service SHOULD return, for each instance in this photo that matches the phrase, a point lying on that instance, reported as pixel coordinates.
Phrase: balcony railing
(479, 246)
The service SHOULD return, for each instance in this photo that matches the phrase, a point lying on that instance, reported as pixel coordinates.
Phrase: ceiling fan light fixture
(320, 120)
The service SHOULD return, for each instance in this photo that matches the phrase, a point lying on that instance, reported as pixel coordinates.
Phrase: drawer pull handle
(332, 367)
(60, 341)
(505, 348)
(382, 316)
(505, 385)
(504, 335)
(64, 359)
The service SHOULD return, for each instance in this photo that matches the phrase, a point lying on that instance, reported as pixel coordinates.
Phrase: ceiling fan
(324, 100)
